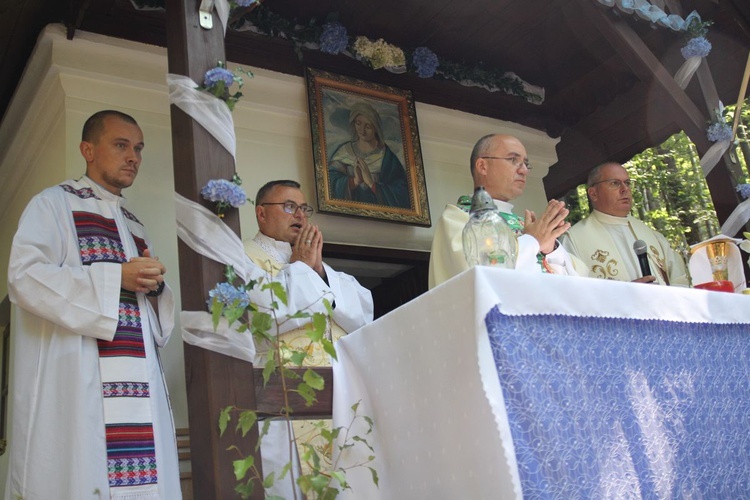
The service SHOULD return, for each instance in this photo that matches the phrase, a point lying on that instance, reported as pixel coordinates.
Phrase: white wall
(66, 81)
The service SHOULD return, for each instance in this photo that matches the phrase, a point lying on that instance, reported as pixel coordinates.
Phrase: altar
(500, 384)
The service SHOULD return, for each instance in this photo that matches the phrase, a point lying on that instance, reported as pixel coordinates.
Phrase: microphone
(640, 251)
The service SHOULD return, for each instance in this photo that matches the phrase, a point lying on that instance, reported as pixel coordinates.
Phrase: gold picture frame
(368, 159)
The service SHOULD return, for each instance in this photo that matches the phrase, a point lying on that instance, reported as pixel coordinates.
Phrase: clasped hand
(550, 226)
(308, 248)
(143, 274)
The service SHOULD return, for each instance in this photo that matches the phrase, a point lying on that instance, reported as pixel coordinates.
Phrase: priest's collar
(504, 206)
(100, 191)
(281, 251)
(609, 219)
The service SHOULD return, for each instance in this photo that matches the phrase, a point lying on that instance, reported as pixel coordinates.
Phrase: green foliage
(325, 479)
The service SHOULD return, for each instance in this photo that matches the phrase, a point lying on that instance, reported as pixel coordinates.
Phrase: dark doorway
(393, 276)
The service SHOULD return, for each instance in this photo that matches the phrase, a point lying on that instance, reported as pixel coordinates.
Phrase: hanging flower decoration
(719, 130)
(334, 39)
(228, 295)
(425, 62)
(219, 80)
(696, 47)
(330, 36)
(241, 3)
(378, 54)
(743, 190)
(225, 193)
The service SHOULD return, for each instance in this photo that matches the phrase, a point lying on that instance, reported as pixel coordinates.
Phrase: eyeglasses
(515, 160)
(291, 208)
(615, 184)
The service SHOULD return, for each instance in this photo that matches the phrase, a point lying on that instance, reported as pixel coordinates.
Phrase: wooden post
(213, 381)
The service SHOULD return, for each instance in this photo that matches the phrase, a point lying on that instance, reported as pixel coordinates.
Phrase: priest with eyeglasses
(605, 239)
(288, 249)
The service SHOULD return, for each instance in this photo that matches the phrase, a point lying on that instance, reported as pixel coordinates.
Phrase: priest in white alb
(91, 415)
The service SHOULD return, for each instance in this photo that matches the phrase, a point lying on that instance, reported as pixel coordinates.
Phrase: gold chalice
(718, 257)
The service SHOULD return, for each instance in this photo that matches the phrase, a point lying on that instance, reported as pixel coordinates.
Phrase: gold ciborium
(718, 257)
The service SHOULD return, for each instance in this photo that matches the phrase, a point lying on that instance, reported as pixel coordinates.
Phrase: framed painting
(368, 160)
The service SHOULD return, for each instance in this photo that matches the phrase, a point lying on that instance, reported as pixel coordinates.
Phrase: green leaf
(328, 347)
(319, 324)
(242, 466)
(340, 477)
(245, 490)
(229, 274)
(268, 369)
(319, 481)
(299, 314)
(269, 480)
(285, 470)
(246, 421)
(304, 484)
(355, 406)
(307, 393)
(277, 289)
(216, 309)
(329, 307)
(314, 380)
(224, 417)
(298, 357)
(261, 322)
(374, 475)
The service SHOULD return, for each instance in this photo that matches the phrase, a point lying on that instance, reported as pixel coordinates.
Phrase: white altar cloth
(426, 376)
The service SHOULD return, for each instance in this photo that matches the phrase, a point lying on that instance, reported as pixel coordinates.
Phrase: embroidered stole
(131, 455)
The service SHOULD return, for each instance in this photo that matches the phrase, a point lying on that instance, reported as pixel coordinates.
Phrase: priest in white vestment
(500, 164)
(289, 250)
(91, 416)
(604, 239)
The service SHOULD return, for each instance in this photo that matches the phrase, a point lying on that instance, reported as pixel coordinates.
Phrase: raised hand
(550, 226)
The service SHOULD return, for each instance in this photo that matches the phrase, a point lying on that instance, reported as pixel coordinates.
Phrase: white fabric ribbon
(687, 70)
(205, 233)
(208, 110)
(198, 330)
(738, 218)
(713, 155)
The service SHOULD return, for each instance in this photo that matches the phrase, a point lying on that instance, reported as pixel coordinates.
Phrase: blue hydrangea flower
(245, 3)
(224, 192)
(425, 62)
(718, 131)
(334, 38)
(744, 190)
(215, 75)
(227, 294)
(697, 46)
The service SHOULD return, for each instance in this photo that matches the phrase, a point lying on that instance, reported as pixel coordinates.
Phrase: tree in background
(670, 193)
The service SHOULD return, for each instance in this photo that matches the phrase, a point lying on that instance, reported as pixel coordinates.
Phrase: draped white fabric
(212, 113)
(713, 155)
(206, 234)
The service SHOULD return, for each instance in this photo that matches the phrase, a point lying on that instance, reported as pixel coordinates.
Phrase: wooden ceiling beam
(647, 67)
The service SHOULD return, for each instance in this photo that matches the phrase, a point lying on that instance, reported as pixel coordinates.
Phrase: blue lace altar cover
(625, 408)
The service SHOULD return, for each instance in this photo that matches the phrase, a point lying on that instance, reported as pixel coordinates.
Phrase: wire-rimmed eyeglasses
(615, 184)
(291, 208)
(514, 160)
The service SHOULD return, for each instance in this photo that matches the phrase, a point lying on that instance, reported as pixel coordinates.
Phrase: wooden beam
(213, 381)
(649, 69)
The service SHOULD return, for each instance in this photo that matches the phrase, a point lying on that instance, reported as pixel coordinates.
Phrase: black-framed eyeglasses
(615, 184)
(291, 208)
(514, 160)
